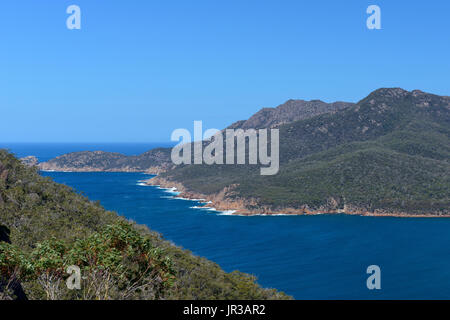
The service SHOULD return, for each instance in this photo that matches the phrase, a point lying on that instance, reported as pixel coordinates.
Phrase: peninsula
(386, 155)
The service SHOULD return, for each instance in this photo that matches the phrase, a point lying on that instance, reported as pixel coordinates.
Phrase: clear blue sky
(139, 69)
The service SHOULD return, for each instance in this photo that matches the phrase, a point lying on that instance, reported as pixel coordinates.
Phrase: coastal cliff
(387, 155)
(223, 201)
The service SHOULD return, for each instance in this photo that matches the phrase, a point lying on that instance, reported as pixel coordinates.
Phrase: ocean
(308, 257)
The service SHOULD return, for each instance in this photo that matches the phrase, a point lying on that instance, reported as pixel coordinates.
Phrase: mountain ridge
(408, 127)
(158, 160)
(290, 111)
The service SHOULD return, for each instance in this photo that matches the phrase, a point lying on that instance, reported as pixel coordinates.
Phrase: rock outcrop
(290, 111)
(30, 161)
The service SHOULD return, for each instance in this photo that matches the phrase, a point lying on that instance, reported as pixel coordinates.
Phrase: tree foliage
(53, 228)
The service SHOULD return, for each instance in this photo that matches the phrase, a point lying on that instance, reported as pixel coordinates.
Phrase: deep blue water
(309, 257)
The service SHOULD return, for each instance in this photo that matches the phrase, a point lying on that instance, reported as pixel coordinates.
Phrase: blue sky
(137, 70)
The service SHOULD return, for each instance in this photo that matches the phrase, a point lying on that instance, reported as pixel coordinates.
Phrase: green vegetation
(52, 228)
(117, 263)
(389, 152)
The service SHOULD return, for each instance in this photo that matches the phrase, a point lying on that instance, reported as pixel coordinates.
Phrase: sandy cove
(239, 206)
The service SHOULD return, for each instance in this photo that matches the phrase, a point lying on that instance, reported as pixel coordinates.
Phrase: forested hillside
(52, 228)
(388, 154)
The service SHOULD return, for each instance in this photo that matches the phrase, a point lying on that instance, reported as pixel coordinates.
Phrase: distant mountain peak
(393, 90)
(290, 111)
(418, 93)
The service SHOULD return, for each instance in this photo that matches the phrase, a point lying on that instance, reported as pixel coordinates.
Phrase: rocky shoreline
(239, 207)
